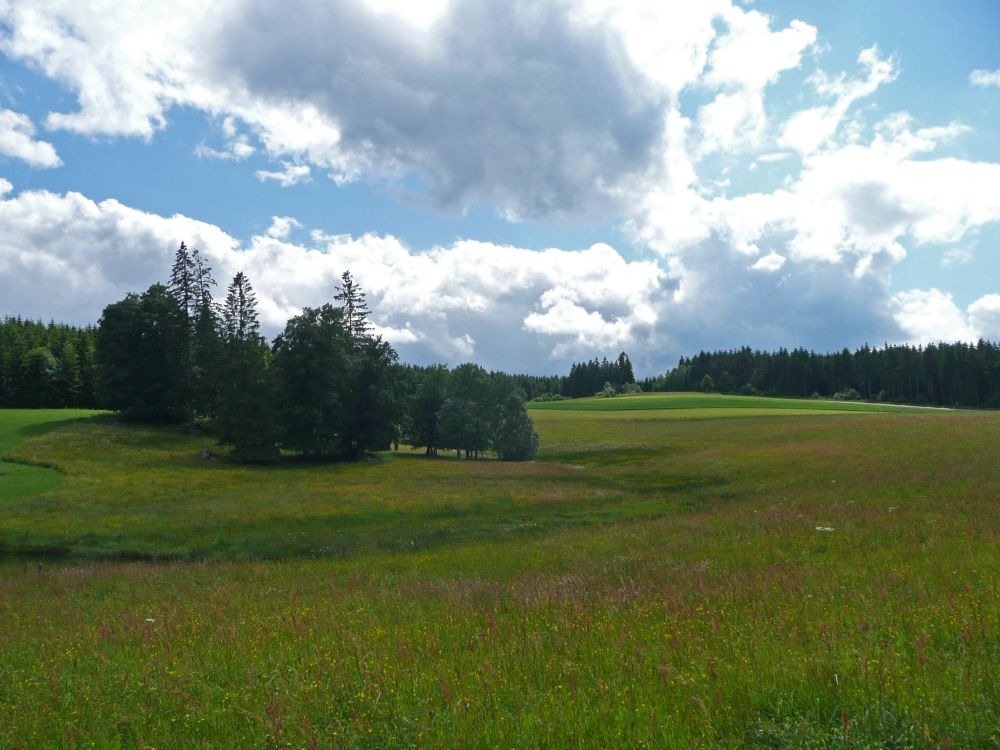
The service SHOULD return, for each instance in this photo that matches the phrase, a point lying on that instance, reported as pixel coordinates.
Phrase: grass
(653, 580)
(18, 480)
(703, 401)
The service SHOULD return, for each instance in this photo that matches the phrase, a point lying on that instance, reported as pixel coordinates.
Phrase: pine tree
(182, 281)
(205, 343)
(352, 302)
(244, 415)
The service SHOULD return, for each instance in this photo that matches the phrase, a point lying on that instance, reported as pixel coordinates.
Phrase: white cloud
(66, 256)
(775, 156)
(932, 316)
(17, 141)
(743, 61)
(538, 109)
(984, 317)
(236, 148)
(985, 78)
(282, 226)
(854, 203)
(502, 305)
(810, 129)
(535, 109)
(771, 262)
(290, 174)
(956, 256)
(5, 186)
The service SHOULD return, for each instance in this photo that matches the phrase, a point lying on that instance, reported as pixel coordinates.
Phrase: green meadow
(673, 571)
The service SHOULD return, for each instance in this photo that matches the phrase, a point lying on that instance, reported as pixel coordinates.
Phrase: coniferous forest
(954, 375)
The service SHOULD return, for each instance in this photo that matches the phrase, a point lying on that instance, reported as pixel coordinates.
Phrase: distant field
(658, 578)
(692, 401)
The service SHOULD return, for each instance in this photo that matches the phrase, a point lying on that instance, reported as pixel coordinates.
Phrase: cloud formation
(985, 78)
(650, 114)
(540, 109)
(17, 140)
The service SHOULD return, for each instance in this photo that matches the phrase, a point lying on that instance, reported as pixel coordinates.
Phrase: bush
(515, 439)
(847, 395)
(631, 388)
(543, 397)
(608, 391)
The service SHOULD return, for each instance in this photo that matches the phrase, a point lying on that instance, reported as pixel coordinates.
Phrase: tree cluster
(328, 386)
(960, 374)
(471, 412)
(588, 378)
(43, 365)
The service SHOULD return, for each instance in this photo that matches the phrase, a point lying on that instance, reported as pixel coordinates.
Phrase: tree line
(959, 374)
(46, 365)
(327, 387)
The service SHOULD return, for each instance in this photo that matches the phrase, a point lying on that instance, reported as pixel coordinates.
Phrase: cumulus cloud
(743, 62)
(985, 78)
(504, 306)
(66, 256)
(854, 203)
(984, 316)
(282, 226)
(17, 140)
(290, 174)
(930, 316)
(539, 109)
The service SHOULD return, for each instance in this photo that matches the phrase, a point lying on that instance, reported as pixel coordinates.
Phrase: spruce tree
(352, 302)
(244, 413)
(204, 332)
(182, 281)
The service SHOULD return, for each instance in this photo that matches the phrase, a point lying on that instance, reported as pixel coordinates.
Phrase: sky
(520, 183)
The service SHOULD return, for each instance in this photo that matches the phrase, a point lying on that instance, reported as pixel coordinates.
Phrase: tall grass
(772, 582)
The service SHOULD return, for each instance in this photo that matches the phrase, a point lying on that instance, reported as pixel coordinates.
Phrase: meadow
(716, 574)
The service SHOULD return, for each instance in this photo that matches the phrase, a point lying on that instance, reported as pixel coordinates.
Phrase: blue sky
(522, 184)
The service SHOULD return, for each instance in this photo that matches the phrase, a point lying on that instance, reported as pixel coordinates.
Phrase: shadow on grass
(44, 428)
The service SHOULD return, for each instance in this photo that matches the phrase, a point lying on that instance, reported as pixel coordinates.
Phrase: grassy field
(704, 576)
(712, 401)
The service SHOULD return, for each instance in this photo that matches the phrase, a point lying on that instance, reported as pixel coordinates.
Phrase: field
(717, 574)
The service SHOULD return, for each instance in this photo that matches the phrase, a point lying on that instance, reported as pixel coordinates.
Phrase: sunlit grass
(649, 582)
(699, 401)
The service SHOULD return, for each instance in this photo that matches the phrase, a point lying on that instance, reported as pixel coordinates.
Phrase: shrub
(848, 394)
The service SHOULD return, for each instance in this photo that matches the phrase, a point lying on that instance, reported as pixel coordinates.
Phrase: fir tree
(244, 417)
(352, 302)
(182, 281)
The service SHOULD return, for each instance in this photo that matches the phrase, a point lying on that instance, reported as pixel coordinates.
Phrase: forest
(953, 375)
(327, 387)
